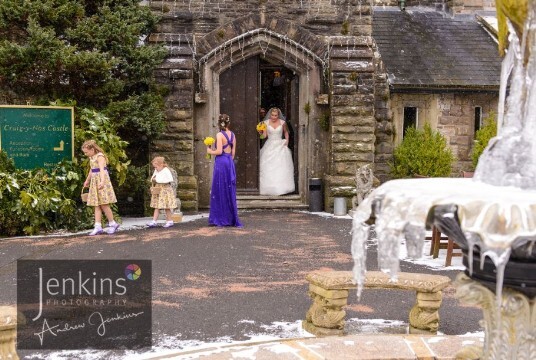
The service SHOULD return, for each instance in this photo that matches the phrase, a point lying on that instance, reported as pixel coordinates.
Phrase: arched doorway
(244, 89)
(257, 52)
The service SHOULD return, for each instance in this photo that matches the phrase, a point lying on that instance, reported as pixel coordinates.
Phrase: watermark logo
(81, 304)
(133, 272)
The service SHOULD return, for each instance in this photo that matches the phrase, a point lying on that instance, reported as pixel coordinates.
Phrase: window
(478, 118)
(410, 118)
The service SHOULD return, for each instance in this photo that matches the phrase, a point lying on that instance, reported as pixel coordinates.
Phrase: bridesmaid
(223, 208)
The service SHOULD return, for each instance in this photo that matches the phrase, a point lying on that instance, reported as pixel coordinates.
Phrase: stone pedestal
(510, 331)
(8, 332)
(177, 214)
(424, 316)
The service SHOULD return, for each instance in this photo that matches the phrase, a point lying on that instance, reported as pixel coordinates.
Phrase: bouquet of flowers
(209, 141)
(261, 127)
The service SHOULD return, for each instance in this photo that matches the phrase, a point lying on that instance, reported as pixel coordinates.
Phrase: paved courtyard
(222, 285)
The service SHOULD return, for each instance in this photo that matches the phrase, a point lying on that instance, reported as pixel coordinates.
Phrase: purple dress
(223, 209)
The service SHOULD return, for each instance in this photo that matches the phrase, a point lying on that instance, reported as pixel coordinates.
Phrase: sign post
(37, 136)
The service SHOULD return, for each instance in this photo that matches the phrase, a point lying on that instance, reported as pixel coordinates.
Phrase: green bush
(32, 201)
(483, 136)
(6, 163)
(422, 152)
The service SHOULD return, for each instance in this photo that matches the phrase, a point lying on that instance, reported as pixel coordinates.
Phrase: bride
(276, 166)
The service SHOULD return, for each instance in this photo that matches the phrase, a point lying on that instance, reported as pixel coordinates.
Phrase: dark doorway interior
(245, 88)
(279, 88)
(410, 118)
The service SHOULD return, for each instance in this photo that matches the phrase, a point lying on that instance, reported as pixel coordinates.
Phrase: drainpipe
(402, 4)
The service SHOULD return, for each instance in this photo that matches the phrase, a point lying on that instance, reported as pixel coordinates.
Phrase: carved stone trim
(322, 99)
(510, 332)
(201, 97)
(376, 279)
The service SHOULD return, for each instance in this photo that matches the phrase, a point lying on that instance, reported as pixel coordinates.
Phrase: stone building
(320, 62)
(437, 67)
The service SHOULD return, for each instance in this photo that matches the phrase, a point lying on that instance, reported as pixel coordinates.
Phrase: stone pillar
(177, 141)
(8, 332)
(509, 330)
(352, 114)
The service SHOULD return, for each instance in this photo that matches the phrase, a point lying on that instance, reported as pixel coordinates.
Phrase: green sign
(37, 136)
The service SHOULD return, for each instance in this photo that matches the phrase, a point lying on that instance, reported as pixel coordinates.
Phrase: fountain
(492, 216)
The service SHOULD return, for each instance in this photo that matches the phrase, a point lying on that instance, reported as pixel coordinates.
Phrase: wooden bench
(329, 292)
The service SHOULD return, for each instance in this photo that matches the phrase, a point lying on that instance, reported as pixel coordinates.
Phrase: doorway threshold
(292, 201)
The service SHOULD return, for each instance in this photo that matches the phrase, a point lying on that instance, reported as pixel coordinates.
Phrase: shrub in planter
(422, 152)
(483, 136)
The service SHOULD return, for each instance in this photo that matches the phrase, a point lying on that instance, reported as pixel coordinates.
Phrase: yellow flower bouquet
(209, 141)
(261, 127)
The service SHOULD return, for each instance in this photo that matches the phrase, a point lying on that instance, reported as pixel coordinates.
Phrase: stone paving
(355, 347)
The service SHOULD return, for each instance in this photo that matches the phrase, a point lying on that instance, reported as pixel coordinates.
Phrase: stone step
(270, 202)
(240, 196)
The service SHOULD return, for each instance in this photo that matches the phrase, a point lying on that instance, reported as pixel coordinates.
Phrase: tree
(87, 51)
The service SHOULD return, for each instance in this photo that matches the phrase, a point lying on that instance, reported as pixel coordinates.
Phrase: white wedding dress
(276, 165)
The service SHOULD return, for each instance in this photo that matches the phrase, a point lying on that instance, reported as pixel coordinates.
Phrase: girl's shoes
(153, 224)
(113, 228)
(96, 231)
(168, 224)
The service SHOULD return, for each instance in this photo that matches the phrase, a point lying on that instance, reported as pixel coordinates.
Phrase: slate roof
(428, 49)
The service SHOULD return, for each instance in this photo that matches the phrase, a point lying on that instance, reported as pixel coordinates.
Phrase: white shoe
(113, 228)
(152, 224)
(96, 231)
(168, 224)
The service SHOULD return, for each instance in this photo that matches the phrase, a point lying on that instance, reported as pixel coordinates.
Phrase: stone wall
(452, 114)
(199, 17)
(453, 6)
(469, 6)
(456, 119)
(438, 4)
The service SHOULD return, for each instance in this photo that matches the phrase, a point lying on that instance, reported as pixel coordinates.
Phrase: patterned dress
(166, 198)
(97, 196)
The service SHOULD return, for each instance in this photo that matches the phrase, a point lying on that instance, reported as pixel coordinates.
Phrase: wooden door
(239, 88)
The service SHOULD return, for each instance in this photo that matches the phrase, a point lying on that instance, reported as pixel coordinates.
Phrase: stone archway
(337, 130)
(274, 47)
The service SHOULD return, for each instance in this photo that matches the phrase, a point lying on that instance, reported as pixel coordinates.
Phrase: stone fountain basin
(520, 270)
(499, 221)
(518, 275)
